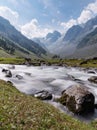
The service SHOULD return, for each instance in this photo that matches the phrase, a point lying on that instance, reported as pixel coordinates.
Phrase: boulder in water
(93, 79)
(78, 99)
(43, 95)
(4, 70)
(8, 74)
(19, 77)
(91, 72)
(95, 106)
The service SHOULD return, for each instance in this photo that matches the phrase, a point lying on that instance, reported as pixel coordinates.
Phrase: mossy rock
(71, 104)
(78, 99)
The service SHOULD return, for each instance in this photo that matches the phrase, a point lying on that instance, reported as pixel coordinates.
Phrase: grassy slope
(21, 112)
(4, 54)
(18, 53)
(49, 61)
(12, 60)
(74, 62)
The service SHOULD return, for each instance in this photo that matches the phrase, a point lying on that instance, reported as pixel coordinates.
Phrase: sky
(36, 18)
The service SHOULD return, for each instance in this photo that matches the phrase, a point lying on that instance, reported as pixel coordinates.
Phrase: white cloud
(32, 29)
(68, 24)
(9, 14)
(85, 16)
(87, 13)
(93, 7)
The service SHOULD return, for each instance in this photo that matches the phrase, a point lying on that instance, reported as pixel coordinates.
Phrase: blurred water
(54, 79)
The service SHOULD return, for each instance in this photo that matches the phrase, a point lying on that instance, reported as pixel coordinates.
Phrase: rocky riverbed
(51, 81)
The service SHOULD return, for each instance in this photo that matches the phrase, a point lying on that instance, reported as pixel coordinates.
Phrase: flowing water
(54, 79)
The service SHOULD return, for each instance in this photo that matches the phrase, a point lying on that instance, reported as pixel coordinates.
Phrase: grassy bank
(56, 61)
(21, 112)
(74, 62)
(11, 60)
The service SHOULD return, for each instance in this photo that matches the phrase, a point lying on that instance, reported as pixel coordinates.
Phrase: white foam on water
(50, 78)
(40, 78)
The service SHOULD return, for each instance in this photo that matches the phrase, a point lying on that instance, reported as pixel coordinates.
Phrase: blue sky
(35, 18)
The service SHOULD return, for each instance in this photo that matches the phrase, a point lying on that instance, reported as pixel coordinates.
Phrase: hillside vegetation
(21, 112)
(11, 41)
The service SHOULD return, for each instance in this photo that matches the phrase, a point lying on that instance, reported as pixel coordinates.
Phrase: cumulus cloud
(9, 14)
(92, 7)
(85, 16)
(33, 29)
(87, 13)
(68, 24)
(30, 29)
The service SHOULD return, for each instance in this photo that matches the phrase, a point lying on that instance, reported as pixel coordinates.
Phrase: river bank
(54, 79)
(20, 111)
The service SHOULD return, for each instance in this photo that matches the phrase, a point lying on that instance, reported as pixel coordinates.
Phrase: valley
(48, 65)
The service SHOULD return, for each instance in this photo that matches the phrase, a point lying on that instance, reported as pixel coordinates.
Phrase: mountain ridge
(9, 32)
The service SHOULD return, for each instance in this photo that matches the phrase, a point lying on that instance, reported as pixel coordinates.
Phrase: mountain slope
(9, 32)
(89, 39)
(79, 41)
(49, 40)
(8, 48)
(87, 47)
(53, 37)
(73, 33)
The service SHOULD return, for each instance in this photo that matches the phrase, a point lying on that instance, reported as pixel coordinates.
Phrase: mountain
(49, 40)
(39, 41)
(78, 42)
(89, 39)
(53, 37)
(77, 32)
(73, 33)
(8, 32)
(10, 49)
(87, 47)
(90, 25)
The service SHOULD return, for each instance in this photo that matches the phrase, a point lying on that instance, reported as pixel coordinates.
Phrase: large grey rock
(93, 79)
(78, 99)
(44, 95)
(7, 72)
(4, 70)
(91, 72)
(19, 76)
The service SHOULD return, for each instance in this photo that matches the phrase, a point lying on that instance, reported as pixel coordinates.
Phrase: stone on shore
(78, 99)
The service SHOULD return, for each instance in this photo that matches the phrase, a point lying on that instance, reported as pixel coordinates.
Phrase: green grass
(21, 112)
(11, 60)
(37, 61)
(74, 62)
(4, 54)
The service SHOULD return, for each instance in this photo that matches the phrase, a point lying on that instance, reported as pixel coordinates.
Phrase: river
(52, 78)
